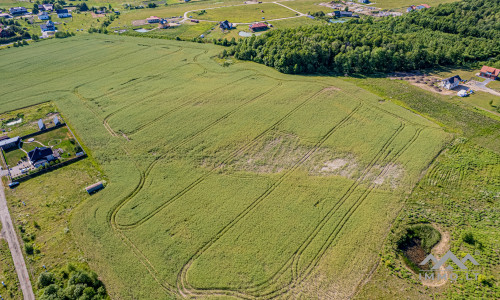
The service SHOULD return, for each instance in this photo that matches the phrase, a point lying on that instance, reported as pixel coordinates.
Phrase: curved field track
(225, 181)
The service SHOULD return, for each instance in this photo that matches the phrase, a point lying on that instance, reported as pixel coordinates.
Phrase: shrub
(468, 237)
(28, 247)
(45, 279)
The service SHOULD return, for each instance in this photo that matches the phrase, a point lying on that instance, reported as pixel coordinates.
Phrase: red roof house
(153, 19)
(258, 26)
(489, 72)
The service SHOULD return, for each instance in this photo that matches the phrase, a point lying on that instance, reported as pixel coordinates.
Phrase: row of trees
(451, 34)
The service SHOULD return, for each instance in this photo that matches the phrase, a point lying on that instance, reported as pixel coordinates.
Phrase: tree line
(450, 34)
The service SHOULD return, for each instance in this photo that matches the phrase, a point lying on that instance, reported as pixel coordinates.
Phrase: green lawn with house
(59, 138)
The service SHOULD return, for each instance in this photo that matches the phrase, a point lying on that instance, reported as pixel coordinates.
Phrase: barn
(94, 188)
(6, 143)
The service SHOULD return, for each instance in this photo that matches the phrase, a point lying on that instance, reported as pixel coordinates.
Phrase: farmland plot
(235, 181)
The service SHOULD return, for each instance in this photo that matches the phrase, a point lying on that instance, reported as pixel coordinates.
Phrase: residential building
(48, 7)
(489, 72)
(18, 11)
(226, 25)
(41, 156)
(451, 83)
(43, 16)
(163, 24)
(153, 19)
(258, 26)
(63, 13)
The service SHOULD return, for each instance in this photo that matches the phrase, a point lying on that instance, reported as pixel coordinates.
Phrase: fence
(49, 169)
(44, 131)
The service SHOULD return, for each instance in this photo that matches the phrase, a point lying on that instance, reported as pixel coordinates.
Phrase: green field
(200, 177)
(229, 181)
(246, 13)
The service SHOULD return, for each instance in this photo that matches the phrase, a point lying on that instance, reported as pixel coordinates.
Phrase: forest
(455, 34)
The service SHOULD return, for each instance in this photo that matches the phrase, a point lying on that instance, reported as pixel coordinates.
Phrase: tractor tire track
(286, 288)
(72, 72)
(184, 142)
(182, 278)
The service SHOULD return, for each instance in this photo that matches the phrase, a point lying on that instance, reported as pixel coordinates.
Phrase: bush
(486, 280)
(468, 237)
(28, 247)
(45, 279)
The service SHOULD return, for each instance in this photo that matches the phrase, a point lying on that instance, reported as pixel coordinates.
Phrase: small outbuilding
(56, 121)
(41, 126)
(95, 187)
(9, 143)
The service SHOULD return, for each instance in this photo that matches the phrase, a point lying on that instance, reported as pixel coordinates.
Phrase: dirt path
(10, 236)
(438, 251)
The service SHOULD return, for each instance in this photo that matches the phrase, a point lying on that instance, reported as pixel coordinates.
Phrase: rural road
(10, 236)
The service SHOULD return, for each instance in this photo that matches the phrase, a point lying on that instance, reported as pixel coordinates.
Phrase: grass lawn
(305, 6)
(485, 100)
(494, 85)
(247, 13)
(185, 31)
(12, 157)
(44, 222)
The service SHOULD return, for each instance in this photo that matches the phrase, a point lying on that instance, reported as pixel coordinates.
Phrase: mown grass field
(222, 180)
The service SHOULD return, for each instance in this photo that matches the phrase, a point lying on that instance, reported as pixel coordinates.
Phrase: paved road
(9, 234)
(481, 87)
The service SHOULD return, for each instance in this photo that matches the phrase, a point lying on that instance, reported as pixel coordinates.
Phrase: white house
(451, 83)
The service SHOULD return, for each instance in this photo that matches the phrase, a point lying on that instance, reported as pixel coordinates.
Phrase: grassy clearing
(8, 273)
(247, 13)
(460, 192)
(201, 180)
(494, 85)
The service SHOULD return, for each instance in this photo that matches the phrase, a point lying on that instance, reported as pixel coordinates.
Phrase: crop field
(224, 181)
